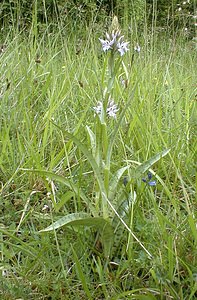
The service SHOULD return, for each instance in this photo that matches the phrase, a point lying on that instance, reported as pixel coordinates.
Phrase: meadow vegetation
(97, 205)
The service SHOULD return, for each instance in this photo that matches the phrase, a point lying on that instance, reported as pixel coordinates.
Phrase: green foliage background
(165, 13)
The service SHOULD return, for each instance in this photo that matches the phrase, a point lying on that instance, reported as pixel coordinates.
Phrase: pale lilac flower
(114, 42)
(109, 42)
(98, 108)
(111, 108)
(122, 47)
(106, 45)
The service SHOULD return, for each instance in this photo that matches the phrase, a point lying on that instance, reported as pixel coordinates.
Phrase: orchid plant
(109, 203)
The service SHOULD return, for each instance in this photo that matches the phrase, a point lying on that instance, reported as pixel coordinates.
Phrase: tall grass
(48, 92)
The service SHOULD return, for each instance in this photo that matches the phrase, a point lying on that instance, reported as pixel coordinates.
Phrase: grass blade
(81, 275)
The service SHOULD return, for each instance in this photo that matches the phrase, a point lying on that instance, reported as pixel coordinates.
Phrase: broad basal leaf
(84, 219)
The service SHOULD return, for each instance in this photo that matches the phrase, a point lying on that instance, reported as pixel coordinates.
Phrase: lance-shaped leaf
(77, 219)
(149, 163)
(84, 219)
(114, 182)
(92, 139)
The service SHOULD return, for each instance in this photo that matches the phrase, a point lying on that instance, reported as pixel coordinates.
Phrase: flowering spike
(115, 43)
(115, 24)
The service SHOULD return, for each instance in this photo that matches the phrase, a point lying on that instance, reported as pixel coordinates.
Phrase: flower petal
(152, 183)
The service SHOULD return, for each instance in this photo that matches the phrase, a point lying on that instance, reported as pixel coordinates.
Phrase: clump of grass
(47, 100)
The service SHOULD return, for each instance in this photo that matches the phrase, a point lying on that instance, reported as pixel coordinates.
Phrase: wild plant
(113, 193)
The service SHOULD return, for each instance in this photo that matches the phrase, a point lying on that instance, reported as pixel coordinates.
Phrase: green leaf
(92, 139)
(107, 235)
(145, 297)
(124, 206)
(148, 164)
(77, 219)
(70, 185)
(114, 182)
(66, 197)
(125, 70)
(192, 225)
(84, 219)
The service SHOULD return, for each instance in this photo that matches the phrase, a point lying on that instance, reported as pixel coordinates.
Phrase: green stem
(105, 150)
(111, 66)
